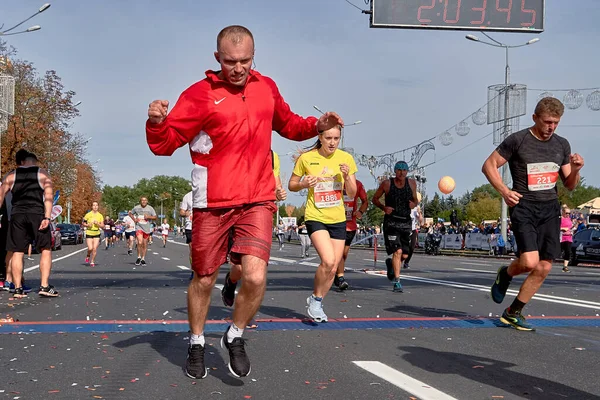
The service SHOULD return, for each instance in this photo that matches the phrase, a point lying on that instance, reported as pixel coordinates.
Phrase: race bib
(542, 176)
(141, 218)
(348, 206)
(328, 194)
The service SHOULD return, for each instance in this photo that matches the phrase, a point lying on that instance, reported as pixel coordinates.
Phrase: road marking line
(155, 253)
(310, 264)
(179, 243)
(474, 263)
(475, 270)
(183, 267)
(285, 260)
(166, 259)
(538, 296)
(56, 259)
(411, 385)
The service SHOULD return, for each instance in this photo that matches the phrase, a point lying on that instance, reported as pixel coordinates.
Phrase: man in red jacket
(227, 120)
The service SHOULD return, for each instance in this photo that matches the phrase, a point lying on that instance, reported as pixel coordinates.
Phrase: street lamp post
(30, 29)
(504, 168)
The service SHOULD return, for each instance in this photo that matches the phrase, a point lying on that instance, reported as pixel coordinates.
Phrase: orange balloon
(446, 184)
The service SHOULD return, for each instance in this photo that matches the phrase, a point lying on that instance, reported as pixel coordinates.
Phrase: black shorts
(536, 226)
(396, 234)
(108, 234)
(188, 236)
(336, 231)
(566, 249)
(129, 234)
(350, 237)
(23, 229)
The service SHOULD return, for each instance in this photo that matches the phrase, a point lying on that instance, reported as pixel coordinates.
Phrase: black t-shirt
(535, 164)
(109, 225)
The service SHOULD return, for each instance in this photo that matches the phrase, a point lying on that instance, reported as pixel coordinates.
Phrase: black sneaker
(500, 285)
(19, 293)
(194, 364)
(143, 262)
(129, 252)
(239, 364)
(228, 291)
(48, 291)
(406, 266)
(390, 269)
(138, 261)
(342, 284)
(336, 281)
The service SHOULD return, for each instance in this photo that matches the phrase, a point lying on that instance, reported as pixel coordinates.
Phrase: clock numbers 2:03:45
(501, 6)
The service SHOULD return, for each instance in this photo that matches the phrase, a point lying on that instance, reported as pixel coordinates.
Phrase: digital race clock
(477, 15)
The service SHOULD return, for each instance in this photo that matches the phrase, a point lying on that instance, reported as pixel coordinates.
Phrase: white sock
(197, 339)
(234, 332)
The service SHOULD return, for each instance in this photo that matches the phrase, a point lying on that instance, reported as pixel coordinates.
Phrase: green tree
(485, 207)
(483, 190)
(433, 208)
(299, 212)
(161, 189)
(116, 199)
(577, 196)
(374, 215)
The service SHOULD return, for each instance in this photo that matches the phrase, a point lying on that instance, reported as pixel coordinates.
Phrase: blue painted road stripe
(288, 324)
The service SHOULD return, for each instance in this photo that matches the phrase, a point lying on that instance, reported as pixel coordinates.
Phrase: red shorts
(141, 232)
(250, 225)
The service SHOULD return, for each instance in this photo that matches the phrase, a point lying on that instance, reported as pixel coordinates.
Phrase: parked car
(56, 239)
(586, 246)
(70, 233)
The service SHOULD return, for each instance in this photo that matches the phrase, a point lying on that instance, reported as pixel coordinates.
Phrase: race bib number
(348, 206)
(542, 176)
(141, 218)
(328, 194)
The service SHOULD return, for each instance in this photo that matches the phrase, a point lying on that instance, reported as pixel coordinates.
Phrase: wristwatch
(48, 218)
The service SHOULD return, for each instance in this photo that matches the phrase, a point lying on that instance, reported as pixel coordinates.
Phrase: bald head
(235, 34)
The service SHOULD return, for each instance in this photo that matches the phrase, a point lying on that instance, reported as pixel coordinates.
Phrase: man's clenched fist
(157, 111)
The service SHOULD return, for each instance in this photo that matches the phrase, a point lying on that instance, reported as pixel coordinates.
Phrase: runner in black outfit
(400, 198)
(537, 158)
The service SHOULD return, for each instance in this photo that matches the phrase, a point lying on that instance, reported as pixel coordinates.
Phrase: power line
(580, 126)
(459, 150)
(561, 90)
(354, 5)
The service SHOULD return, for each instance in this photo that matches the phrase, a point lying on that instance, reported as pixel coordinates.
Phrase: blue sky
(405, 85)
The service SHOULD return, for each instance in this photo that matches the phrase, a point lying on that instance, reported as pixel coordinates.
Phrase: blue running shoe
(516, 320)
(398, 287)
(11, 287)
(501, 284)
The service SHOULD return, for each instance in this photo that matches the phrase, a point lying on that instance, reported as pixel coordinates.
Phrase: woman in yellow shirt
(325, 171)
(94, 223)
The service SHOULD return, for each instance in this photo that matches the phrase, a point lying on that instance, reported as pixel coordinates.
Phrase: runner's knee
(529, 261)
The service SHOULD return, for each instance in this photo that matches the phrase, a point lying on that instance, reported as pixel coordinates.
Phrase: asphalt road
(119, 332)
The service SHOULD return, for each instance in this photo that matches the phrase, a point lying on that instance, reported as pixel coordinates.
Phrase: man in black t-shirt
(537, 157)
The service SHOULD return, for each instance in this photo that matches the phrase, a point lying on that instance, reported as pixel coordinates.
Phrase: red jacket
(351, 205)
(229, 132)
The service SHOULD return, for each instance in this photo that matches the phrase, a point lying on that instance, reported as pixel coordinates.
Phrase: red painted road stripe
(221, 321)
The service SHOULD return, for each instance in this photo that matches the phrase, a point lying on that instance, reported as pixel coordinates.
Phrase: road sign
(475, 15)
